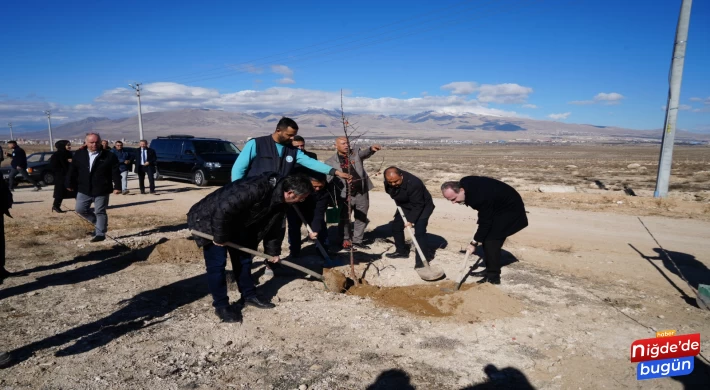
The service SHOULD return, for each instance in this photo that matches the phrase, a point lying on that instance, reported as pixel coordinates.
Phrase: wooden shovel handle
(318, 244)
(257, 253)
(414, 240)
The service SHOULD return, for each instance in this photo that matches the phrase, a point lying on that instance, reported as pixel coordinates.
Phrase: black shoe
(479, 273)
(254, 301)
(143, 192)
(492, 279)
(5, 359)
(98, 238)
(361, 246)
(228, 314)
(56, 209)
(397, 255)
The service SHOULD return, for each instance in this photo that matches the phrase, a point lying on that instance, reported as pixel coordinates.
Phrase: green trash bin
(332, 215)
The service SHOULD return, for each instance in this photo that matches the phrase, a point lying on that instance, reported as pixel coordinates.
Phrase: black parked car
(200, 160)
(37, 167)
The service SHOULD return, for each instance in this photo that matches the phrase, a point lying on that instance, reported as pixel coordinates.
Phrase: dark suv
(37, 167)
(201, 160)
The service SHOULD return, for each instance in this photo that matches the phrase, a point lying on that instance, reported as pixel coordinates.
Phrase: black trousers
(492, 255)
(142, 171)
(294, 229)
(420, 226)
(2, 241)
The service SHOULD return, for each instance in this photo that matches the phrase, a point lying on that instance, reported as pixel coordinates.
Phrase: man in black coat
(243, 212)
(145, 165)
(501, 213)
(5, 206)
(91, 173)
(19, 165)
(409, 193)
(313, 210)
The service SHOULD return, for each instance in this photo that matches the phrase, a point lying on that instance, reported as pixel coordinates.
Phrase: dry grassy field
(580, 284)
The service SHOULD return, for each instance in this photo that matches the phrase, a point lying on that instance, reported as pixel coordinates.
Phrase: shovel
(427, 273)
(265, 256)
(318, 244)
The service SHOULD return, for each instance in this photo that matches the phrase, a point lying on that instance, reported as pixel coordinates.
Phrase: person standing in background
(146, 160)
(60, 162)
(124, 164)
(19, 165)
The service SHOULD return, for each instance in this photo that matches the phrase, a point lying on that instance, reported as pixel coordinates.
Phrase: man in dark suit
(91, 173)
(409, 193)
(145, 165)
(501, 213)
(19, 165)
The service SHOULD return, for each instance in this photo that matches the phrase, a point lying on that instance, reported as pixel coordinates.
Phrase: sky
(600, 62)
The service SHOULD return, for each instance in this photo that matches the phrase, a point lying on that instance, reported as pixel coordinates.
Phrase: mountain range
(325, 124)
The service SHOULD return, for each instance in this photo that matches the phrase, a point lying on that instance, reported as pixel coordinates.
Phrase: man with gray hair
(351, 159)
(91, 174)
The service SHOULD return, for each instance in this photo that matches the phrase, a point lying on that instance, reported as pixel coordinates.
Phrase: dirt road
(578, 288)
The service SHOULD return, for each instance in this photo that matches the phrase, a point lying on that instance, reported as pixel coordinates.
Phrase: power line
(373, 37)
(450, 23)
(221, 68)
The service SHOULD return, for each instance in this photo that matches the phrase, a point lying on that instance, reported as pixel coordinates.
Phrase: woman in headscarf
(60, 161)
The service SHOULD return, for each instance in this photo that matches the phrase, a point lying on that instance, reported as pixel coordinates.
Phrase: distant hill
(322, 124)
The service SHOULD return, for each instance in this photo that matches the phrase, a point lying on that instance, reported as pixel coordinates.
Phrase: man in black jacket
(145, 165)
(313, 211)
(19, 165)
(243, 212)
(91, 173)
(5, 206)
(501, 213)
(409, 193)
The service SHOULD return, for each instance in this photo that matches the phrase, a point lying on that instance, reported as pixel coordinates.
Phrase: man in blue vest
(275, 153)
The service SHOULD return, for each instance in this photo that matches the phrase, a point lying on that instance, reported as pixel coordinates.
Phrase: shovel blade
(430, 273)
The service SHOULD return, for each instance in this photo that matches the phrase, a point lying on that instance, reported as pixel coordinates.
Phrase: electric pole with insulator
(137, 88)
(666, 158)
(12, 137)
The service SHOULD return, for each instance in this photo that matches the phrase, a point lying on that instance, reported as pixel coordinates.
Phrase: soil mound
(179, 250)
(471, 303)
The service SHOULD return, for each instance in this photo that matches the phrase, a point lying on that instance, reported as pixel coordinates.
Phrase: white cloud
(424, 93)
(503, 93)
(508, 93)
(609, 98)
(602, 98)
(404, 93)
(559, 116)
(165, 96)
(284, 71)
(699, 99)
(460, 87)
(529, 106)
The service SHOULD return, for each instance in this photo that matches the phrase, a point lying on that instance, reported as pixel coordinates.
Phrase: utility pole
(137, 88)
(49, 125)
(666, 158)
(12, 137)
